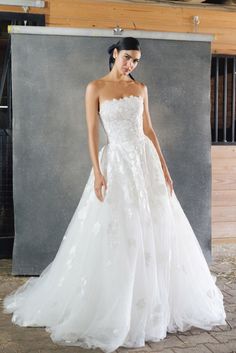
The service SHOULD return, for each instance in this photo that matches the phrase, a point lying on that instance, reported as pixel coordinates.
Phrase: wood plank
(218, 241)
(221, 48)
(224, 181)
(223, 229)
(223, 164)
(145, 13)
(223, 214)
(224, 198)
(218, 152)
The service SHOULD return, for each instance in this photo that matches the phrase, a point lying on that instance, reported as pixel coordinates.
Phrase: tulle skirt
(128, 270)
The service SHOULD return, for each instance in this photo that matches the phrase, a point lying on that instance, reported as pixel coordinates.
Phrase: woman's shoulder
(93, 84)
(141, 84)
(93, 87)
(142, 88)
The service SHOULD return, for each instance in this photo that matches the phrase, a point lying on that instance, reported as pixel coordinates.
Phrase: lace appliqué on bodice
(122, 119)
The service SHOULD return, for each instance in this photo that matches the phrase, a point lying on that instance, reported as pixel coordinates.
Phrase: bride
(117, 84)
(129, 268)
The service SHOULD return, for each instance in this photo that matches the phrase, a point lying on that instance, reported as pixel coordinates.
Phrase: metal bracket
(117, 30)
(26, 9)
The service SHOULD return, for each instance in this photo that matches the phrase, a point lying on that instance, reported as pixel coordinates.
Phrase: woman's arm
(148, 128)
(149, 131)
(91, 105)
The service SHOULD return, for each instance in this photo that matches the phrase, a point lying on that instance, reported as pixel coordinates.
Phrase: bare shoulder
(92, 86)
(142, 88)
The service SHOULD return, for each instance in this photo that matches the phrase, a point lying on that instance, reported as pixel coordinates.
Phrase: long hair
(126, 43)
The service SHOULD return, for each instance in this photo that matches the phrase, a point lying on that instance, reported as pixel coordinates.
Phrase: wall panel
(223, 194)
(50, 158)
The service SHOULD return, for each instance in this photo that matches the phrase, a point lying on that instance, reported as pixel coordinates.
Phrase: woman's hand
(169, 181)
(99, 182)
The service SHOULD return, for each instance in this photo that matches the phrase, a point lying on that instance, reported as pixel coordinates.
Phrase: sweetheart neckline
(119, 99)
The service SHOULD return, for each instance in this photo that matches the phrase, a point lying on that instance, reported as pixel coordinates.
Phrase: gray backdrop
(51, 160)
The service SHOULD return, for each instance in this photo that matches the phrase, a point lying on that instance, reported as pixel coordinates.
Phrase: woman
(129, 268)
(116, 84)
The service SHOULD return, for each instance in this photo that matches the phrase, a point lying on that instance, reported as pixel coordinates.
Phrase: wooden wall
(223, 194)
(143, 15)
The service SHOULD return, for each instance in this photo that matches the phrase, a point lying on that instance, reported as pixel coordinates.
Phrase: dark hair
(127, 43)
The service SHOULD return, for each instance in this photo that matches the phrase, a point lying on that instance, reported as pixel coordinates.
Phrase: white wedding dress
(129, 269)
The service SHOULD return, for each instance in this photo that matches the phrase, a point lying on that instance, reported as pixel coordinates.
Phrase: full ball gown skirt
(129, 269)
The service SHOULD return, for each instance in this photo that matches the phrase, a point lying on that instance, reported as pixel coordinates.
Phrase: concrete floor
(16, 339)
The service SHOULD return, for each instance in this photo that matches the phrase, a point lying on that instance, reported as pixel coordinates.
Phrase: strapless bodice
(122, 119)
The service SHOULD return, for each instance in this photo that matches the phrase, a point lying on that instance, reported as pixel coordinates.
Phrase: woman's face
(126, 60)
